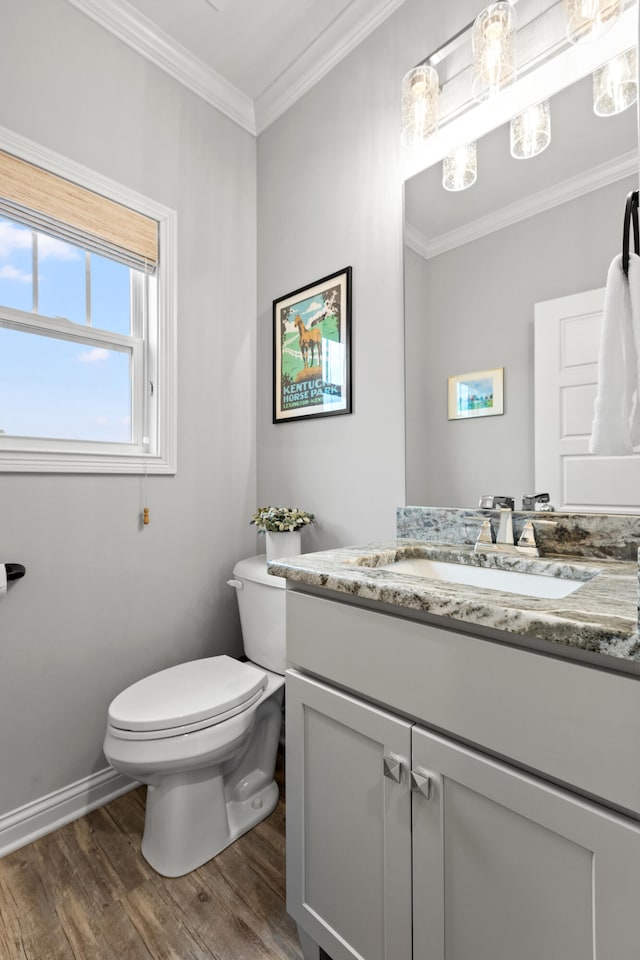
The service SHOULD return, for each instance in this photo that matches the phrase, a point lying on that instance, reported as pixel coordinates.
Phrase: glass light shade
(530, 131)
(615, 86)
(420, 90)
(460, 168)
(493, 43)
(589, 19)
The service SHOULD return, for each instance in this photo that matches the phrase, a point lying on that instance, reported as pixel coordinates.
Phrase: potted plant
(282, 527)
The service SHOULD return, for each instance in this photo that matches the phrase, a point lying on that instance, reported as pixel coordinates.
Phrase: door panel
(567, 342)
(523, 869)
(348, 825)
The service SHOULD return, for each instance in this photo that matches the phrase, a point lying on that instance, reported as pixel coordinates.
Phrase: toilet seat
(187, 697)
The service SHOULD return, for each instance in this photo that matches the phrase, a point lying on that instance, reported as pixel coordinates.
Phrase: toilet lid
(187, 693)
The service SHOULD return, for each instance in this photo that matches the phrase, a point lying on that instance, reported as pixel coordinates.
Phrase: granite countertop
(600, 617)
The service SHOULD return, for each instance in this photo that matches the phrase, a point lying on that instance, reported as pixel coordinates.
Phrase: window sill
(22, 461)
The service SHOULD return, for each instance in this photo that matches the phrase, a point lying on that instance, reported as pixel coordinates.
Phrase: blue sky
(51, 387)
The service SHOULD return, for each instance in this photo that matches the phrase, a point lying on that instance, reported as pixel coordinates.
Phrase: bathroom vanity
(463, 763)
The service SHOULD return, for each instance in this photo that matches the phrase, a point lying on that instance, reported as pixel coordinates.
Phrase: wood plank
(161, 925)
(22, 887)
(76, 868)
(226, 933)
(36, 935)
(120, 849)
(242, 892)
(128, 812)
(108, 935)
(268, 863)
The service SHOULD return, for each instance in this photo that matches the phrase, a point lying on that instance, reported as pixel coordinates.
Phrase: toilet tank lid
(255, 569)
(186, 693)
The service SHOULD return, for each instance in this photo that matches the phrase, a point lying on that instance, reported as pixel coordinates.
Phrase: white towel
(616, 420)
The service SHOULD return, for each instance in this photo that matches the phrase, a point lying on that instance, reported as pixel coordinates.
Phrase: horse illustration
(309, 339)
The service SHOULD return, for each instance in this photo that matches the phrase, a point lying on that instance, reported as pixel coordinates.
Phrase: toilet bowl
(204, 735)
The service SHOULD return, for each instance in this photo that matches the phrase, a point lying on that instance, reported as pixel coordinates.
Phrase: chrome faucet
(504, 542)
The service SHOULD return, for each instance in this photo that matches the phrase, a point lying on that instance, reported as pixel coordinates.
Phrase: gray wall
(103, 602)
(473, 309)
(330, 194)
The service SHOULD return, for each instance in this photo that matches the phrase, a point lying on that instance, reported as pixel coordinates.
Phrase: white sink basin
(507, 581)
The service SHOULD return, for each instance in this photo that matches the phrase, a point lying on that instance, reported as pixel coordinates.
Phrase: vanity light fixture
(589, 19)
(530, 131)
(615, 85)
(460, 168)
(420, 90)
(493, 45)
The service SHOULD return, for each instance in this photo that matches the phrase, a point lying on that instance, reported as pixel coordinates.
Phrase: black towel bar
(630, 220)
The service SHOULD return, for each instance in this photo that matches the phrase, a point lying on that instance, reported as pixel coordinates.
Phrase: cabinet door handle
(392, 767)
(421, 782)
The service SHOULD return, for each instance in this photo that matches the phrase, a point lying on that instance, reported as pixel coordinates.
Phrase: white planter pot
(285, 544)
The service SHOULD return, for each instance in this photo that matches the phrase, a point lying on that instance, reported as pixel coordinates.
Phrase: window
(87, 320)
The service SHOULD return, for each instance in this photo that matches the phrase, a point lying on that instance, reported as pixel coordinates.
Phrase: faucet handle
(492, 502)
(527, 542)
(537, 501)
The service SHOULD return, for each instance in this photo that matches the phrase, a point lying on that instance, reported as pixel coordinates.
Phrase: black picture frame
(312, 350)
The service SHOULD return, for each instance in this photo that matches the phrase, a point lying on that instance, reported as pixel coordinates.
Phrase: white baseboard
(19, 827)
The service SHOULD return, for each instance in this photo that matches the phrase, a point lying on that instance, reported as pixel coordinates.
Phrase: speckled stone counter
(600, 617)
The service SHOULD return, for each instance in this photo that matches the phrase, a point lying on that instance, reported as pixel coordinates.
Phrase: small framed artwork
(477, 394)
(312, 350)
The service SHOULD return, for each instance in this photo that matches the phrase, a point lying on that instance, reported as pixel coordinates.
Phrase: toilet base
(192, 815)
(169, 843)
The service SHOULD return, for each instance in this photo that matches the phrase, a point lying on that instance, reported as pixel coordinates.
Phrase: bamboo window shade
(47, 198)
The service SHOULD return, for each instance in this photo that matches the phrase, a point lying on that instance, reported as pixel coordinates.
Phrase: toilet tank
(261, 600)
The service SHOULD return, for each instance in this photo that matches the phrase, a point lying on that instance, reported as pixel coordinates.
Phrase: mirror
(476, 262)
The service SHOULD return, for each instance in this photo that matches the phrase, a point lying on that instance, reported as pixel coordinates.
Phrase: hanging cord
(630, 217)
(145, 509)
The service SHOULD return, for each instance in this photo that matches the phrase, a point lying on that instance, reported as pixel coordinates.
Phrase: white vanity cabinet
(348, 825)
(405, 844)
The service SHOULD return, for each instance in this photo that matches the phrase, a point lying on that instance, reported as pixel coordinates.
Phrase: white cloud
(97, 355)
(12, 273)
(50, 248)
(13, 238)
(102, 421)
(314, 307)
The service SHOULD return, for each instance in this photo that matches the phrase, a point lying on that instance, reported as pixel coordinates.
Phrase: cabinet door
(506, 866)
(348, 823)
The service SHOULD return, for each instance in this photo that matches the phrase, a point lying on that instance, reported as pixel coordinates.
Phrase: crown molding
(332, 46)
(336, 42)
(571, 189)
(146, 38)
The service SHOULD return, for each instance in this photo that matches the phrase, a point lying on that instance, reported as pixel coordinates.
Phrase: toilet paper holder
(15, 571)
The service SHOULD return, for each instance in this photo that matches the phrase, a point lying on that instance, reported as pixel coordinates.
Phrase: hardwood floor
(85, 892)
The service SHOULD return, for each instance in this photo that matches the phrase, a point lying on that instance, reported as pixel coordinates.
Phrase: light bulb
(589, 19)
(493, 43)
(460, 168)
(530, 131)
(615, 86)
(420, 90)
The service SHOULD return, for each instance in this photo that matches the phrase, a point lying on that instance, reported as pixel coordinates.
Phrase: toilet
(204, 735)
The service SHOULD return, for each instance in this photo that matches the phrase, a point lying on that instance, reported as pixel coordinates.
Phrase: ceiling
(250, 58)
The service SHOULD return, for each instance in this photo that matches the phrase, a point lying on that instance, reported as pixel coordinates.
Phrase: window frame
(157, 405)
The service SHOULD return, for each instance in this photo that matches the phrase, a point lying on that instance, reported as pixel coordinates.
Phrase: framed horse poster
(312, 350)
